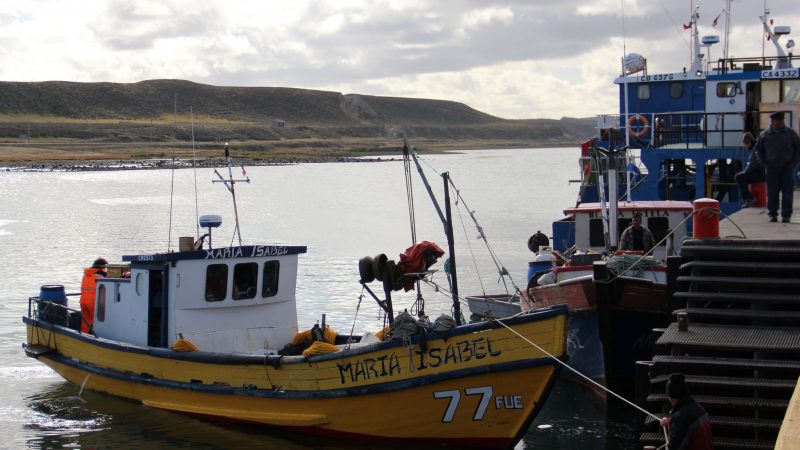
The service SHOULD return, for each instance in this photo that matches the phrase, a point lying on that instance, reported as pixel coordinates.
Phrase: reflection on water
(52, 225)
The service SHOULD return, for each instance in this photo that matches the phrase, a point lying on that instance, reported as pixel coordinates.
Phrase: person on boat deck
(753, 172)
(88, 288)
(636, 237)
(778, 150)
(688, 425)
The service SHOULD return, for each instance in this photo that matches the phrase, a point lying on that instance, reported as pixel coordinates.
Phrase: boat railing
(684, 129)
(752, 64)
(55, 313)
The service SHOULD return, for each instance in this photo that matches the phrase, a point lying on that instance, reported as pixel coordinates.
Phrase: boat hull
(477, 388)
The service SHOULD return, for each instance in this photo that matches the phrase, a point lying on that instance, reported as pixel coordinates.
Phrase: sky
(516, 59)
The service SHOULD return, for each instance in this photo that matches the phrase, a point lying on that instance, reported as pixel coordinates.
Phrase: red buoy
(706, 218)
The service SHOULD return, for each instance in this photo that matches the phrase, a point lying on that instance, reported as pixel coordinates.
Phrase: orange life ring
(639, 129)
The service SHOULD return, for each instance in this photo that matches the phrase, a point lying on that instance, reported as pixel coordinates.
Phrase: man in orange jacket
(88, 288)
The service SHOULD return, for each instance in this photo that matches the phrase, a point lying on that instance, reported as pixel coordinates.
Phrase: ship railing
(755, 64)
(684, 129)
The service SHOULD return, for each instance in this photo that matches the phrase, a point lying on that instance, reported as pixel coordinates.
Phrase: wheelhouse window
(101, 303)
(791, 92)
(216, 282)
(643, 92)
(269, 288)
(676, 90)
(726, 90)
(245, 278)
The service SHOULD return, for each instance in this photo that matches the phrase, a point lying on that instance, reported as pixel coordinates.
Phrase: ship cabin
(583, 225)
(229, 300)
(686, 127)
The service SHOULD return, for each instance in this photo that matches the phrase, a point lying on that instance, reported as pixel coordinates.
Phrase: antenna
(784, 62)
(230, 183)
(194, 169)
(172, 176)
(727, 11)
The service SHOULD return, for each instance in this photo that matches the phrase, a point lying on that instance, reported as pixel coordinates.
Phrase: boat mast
(727, 28)
(229, 183)
(451, 248)
(697, 56)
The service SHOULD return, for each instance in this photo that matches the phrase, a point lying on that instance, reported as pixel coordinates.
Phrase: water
(52, 225)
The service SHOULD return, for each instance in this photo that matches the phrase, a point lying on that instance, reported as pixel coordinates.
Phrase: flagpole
(727, 27)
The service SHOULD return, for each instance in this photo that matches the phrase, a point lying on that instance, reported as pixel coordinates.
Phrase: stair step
(733, 337)
(749, 281)
(736, 422)
(738, 313)
(730, 402)
(734, 297)
(739, 382)
(733, 363)
(719, 442)
(751, 250)
(743, 265)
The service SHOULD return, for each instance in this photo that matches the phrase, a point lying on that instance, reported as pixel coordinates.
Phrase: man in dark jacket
(688, 425)
(778, 150)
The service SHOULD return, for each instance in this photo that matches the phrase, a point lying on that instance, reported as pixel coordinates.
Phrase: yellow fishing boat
(208, 332)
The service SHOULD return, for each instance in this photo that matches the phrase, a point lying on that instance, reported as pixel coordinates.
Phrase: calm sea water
(54, 224)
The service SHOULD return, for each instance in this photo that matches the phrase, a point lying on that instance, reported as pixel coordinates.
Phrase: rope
(609, 391)
(355, 316)
(462, 300)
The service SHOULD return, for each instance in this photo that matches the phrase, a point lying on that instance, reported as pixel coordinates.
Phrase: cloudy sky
(515, 59)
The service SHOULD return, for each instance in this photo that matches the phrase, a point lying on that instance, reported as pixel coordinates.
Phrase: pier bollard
(683, 321)
(706, 218)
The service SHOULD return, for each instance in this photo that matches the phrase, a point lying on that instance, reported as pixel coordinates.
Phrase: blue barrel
(52, 305)
(538, 266)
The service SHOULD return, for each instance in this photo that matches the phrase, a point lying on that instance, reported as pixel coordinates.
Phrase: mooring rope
(554, 358)
(658, 419)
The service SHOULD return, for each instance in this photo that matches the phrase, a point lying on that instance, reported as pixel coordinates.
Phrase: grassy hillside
(68, 115)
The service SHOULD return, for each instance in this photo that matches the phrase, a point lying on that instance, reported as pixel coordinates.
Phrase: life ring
(638, 125)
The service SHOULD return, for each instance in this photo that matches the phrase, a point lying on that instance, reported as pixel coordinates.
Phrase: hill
(67, 116)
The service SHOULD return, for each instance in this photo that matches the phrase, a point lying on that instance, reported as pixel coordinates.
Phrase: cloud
(513, 58)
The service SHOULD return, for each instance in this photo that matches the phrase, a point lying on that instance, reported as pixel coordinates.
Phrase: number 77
(455, 397)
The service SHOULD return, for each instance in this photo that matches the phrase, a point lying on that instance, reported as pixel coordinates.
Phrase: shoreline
(70, 156)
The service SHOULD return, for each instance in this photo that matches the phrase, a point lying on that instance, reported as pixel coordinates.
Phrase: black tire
(365, 270)
(379, 266)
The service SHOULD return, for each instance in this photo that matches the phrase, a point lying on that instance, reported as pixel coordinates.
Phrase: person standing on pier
(778, 150)
(753, 172)
(688, 425)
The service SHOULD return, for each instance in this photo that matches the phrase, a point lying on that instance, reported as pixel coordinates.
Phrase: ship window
(643, 92)
(676, 90)
(659, 226)
(791, 91)
(271, 271)
(726, 89)
(596, 235)
(216, 282)
(244, 281)
(101, 303)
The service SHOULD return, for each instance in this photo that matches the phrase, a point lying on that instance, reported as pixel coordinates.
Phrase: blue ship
(677, 135)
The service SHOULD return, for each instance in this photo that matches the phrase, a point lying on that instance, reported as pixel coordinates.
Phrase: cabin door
(157, 307)
(753, 100)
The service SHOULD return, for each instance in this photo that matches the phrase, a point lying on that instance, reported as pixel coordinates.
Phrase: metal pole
(451, 248)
